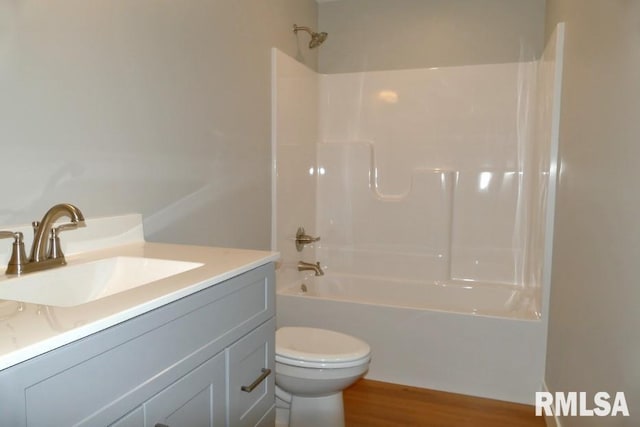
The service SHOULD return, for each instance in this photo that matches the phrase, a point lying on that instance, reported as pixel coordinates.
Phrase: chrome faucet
(303, 266)
(42, 256)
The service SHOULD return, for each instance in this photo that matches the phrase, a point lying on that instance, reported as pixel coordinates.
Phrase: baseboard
(550, 420)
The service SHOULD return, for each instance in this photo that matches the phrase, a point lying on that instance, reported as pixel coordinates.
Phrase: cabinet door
(196, 400)
(252, 376)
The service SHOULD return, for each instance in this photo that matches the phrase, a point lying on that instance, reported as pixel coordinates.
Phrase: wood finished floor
(372, 403)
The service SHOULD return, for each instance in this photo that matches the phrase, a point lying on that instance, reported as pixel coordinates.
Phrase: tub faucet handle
(304, 239)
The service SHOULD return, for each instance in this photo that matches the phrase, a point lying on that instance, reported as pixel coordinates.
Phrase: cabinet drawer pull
(249, 388)
(161, 425)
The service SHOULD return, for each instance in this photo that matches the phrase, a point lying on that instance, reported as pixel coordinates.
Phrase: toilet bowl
(313, 366)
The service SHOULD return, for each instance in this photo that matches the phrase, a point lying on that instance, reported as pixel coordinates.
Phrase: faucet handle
(304, 239)
(55, 249)
(18, 255)
(9, 234)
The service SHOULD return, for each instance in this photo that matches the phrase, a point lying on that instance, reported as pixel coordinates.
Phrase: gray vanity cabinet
(184, 364)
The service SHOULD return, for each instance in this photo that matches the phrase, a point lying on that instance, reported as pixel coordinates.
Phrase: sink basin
(81, 283)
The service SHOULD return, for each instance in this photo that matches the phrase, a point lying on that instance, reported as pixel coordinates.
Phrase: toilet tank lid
(319, 345)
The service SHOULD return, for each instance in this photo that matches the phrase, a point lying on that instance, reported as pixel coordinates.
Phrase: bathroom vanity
(193, 349)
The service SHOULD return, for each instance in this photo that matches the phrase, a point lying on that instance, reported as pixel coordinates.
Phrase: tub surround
(31, 329)
(424, 172)
(295, 131)
(411, 174)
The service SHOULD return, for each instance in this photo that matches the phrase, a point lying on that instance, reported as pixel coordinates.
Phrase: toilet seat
(319, 348)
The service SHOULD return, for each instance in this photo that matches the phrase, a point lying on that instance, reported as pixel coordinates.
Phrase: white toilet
(313, 366)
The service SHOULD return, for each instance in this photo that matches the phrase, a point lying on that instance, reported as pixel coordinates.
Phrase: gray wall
(157, 107)
(594, 330)
(368, 35)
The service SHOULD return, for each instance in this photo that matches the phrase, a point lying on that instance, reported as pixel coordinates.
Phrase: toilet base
(319, 411)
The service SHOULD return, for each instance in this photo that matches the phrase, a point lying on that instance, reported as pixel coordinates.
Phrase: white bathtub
(462, 337)
(454, 296)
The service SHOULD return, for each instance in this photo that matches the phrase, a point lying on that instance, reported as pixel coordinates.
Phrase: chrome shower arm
(297, 28)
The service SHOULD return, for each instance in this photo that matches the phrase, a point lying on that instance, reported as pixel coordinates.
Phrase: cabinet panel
(269, 419)
(246, 360)
(196, 400)
(134, 418)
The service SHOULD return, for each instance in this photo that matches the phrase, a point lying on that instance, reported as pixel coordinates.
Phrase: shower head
(316, 38)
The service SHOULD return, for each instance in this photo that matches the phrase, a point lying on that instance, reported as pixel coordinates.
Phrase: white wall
(156, 107)
(594, 338)
(368, 35)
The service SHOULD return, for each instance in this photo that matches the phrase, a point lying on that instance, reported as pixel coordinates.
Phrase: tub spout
(303, 266)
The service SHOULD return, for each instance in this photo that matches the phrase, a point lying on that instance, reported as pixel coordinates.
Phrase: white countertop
(28, 330)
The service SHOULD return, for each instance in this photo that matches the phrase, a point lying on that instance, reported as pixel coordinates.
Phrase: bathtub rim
(526, 314)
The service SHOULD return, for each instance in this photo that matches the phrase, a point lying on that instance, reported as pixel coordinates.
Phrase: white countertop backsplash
(28, 330)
